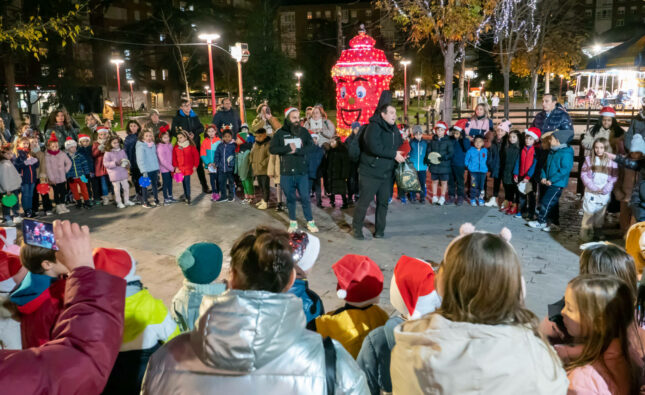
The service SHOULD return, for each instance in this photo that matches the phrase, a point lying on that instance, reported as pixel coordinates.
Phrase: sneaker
(293, 226)
(492, 202)
(435, 200)
(214, 197)
(473, 202)
(48, 213)
(459, 201)
(79, 204)
(231, 199)
(262, 205)
(537, 225)
(154, 204)
(358, 235)
(279, 207)
(105, 200)
(146, 205)
(404, 200)
(87, 205)
(442, 200)
(552, 228)
(482, 202)
(120, 205)
(518, 215)
(129, 203)
(17, 219)
(450, 199)
(187, 201)
(311, 226)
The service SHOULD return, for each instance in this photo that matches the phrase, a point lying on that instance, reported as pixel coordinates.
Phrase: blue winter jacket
(311, 302)
(147, 159)
(129, 146)
(475, 160)
(558, 166)
(80, 167)
(462, 145)
(314, 159)
(558, 119)
(225, 157)
(418, 151)
(27, 172)
(374, 357)
(185, 304)
(87, 154)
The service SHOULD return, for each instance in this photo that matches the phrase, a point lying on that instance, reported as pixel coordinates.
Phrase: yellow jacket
(349, 325)
(633, 245)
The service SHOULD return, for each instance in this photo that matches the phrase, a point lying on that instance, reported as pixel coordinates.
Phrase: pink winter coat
(57, 166)
(599, 183)
(164, 154)
(111, 161)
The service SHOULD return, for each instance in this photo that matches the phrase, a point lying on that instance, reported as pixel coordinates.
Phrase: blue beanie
(355, 125)
(201, 262)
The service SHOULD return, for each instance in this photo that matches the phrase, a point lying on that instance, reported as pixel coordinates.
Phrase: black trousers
(47, 203)
(511, 193)
(369, 188)
(352, 181)
(456, 181)
(263, 182)
(200, 168)
(59, 193)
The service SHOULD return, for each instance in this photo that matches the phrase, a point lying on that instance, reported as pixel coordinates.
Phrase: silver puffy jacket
(249, 342)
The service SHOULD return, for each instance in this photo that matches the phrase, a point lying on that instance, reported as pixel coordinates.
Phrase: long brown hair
(610, 259)
(51, 120)
(604, 161)
(606, 313)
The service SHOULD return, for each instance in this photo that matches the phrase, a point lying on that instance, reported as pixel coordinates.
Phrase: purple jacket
(57, 166)
(111, 161)
(164, 154)
(587, 176)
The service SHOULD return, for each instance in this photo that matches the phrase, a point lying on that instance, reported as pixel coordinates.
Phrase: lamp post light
(405, 63)
(145, 98)
(131, 82)
(418, 80)
(298, 76)
(117, 62)
(560, 92)
(240, 53)
(209, 42)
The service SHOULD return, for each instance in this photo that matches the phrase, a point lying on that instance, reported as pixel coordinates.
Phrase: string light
(361, 74)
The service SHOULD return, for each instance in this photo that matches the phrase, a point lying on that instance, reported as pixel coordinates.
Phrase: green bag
(406, 177)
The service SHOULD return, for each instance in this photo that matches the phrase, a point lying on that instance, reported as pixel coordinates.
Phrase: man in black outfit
(379, 154)
(189, 121)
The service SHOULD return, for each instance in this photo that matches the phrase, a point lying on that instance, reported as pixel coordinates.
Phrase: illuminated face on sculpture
(361, 74)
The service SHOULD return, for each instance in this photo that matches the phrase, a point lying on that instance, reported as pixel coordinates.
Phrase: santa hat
(505, 126)
(533, 132)
(442, 125)
(102, 129)
(8, 240)
(11, 272)
(360, 281)
(412, 290)
(607, 112)
(117, 262)
(460, 124)
(52, 138)
(288, 110)
(69, 142)
(82, 137)
(306, 248)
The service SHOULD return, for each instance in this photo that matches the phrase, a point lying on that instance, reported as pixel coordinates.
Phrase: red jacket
(185, 159)
(85, 341)
(38, 317)
(97, 154)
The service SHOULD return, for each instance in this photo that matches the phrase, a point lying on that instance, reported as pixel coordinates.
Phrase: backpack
(354, 147)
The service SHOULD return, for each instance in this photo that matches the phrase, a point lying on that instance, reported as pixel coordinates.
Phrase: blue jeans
(477, 183)
(27, 197)
(166, 185)
(154, 179)
(226, 184)
(214, 182)
(549, 207)
(300, 183)
(186, 184)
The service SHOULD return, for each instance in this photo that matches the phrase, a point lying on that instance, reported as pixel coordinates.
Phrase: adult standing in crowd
(265, 120)
(61, 123)
(552, 117)
(227, 117)
(292, 143)
(187, 120)
(155, 123)
(379, 154)
(636, 127)
(252, 338)
(9, 123)
(92, 121)
(494, 103)
(320, 125)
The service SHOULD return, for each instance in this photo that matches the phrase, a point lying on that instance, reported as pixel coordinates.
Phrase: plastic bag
(406, 177)
(594, 202)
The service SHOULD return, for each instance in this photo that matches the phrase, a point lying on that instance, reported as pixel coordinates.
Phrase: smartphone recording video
(39, 234)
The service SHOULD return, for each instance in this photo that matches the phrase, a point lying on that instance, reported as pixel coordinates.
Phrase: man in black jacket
(189, 121)
(379, 154)
(292, 142)
(226, 116)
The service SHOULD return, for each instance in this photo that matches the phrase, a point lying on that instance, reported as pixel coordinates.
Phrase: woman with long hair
(61, 123)
(479, 341)
(320, 125)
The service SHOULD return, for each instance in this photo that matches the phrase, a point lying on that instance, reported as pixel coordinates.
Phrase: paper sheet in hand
(296, 140)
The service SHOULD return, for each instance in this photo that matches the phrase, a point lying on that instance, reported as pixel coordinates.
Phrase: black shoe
(359, 235)
(206, 190)
(188, 201)
(279, 207)
(79, 204)
(87, 205)
(379, 235)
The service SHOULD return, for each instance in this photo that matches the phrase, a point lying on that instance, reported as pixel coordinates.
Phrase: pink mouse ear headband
(468, 228)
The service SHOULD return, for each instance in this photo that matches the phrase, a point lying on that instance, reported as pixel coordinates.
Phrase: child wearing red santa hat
(412, 293)
(360, 282)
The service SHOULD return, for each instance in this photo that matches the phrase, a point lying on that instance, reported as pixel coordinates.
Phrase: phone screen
(39, 234)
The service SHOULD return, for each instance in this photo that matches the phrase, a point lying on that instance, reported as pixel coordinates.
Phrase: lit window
(309, 15)
(368, 13)
(128, 74)
(318, 14)
(353, 14)
(61, 72)
(137, 15)
(126, 54)
(44, 70)
(153, 74)
(328, 14)
(191, 8)
(204, 77)
(162, 37)
(620, 22)
(164, 74)
(182, 6)
(620, 11)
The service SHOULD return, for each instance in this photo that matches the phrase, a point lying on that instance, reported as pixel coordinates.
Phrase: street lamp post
(298, 76)
(240, 53)
(560, 92)
(209, 41)
(418, 80)
(405, 64)
(131, 82)
(118, 62)
(145, 98)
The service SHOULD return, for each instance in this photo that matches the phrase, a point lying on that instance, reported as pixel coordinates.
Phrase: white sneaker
(537, 225)
(120, 205)
(311, 226)
(293, 227)
(17, 219)
(435, 200)
(551, 228)
(129, 203)
(263, 205)
(105, 200)
(442, 200)
(492, 202)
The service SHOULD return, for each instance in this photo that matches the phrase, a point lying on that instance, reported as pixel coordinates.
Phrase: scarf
(50, 152)
(526, 160)
(184, 144)
(150, 144)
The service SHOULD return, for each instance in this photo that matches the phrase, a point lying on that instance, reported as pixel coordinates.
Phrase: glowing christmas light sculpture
(361, 74)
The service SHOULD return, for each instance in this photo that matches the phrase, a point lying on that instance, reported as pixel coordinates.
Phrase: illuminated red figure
(361, 74)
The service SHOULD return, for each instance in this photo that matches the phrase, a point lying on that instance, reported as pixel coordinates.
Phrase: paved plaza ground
(156, 236)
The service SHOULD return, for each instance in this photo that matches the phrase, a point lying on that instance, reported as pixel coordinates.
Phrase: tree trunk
(10, 80)
(462, 79)
(547, 81)
(533, 90)
(506, 71)
(448, 66)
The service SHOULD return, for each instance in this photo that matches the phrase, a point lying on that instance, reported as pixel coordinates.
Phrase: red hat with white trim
(607, 112)
(412, 290)
(460, 124)
(82, 137)
(288, 110)
(102, 128)
(117, 262)
(360, 280)
(70, 142)
(441, 124)
(52, 138)
(11, 272)
(533, 132)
